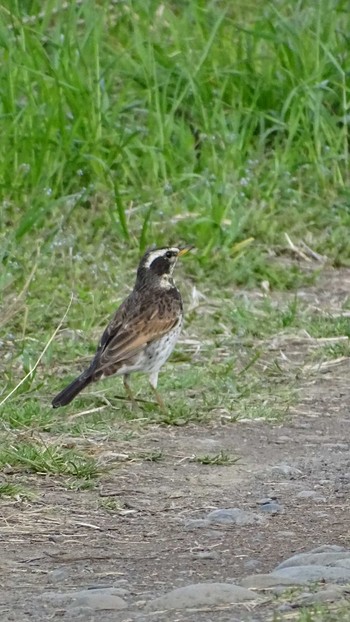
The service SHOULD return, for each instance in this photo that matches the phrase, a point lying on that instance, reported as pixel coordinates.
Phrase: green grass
(220, 459)
(321, 613)
(228, 119)
(11, 490)
(219, 124)
(37, 458)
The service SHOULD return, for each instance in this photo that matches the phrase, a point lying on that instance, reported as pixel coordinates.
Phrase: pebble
(287, 470)
(270, 505)
(57, 575)
(234, 516)
(206, 555)
(310, 494)
(225, 516)
(201, 595)
(251, 564)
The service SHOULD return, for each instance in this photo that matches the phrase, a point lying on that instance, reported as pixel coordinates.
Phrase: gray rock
(330, 594)
(304, 574)
(234, 516)
(58, 575)
(206, 555)
(319, 559)
(266, 500)
(201, 594)
(287, 470)
(271, 507)
(342, 563)
(310, 494)
(328, 548)
(267, 581)
(58, 599)
(99, 599)
(95, 599)
(251, 564)
(284, 608)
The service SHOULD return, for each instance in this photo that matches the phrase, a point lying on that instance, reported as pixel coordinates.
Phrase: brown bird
(144, 330)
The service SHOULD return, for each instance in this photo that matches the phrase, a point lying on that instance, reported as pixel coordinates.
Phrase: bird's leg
(153, 380)
(128, 390)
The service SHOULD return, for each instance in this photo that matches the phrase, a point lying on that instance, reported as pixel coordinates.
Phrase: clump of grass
(150, 456)
(53, 459)
(220, 459)
(9, 489)
(110, 505)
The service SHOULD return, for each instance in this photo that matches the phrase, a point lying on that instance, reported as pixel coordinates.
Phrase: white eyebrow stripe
(158, 253)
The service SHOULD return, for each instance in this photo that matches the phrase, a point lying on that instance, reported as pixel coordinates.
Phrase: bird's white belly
(153, 357)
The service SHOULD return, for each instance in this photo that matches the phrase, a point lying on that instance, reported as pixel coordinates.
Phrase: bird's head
(157, 265)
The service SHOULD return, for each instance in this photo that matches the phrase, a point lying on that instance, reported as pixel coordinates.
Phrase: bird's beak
(185, 250)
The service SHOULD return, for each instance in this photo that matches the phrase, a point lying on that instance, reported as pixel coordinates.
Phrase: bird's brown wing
(130, 329)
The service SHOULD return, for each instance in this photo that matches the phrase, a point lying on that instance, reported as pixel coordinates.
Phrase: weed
(34, 458)
(220, 459)
(8, 489)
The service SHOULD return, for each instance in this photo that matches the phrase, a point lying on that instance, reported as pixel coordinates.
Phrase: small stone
(284, 608)
(201, 595)
(287, 470)
(206, 555)
(234, 516)
(251, 564)
(272, 507)
(319, 559)
(266, 500)
(58, 575)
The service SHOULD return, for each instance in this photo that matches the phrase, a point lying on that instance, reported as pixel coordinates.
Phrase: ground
(133, 526)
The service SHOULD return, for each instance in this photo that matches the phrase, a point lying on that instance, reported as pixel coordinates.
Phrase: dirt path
(135, 531)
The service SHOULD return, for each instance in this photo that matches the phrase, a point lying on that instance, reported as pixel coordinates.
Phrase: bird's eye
(168, 254)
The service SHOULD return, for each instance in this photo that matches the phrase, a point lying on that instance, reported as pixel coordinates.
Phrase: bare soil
(68, 539)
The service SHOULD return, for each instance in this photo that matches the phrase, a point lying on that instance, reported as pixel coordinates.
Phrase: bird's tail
(68, 394)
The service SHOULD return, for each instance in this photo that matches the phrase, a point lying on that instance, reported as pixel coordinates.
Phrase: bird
(143, 331)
